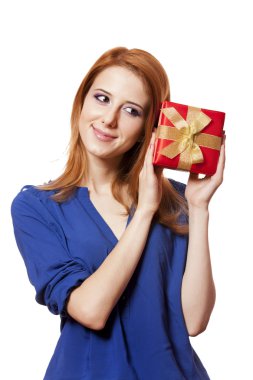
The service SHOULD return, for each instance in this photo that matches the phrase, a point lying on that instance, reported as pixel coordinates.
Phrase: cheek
(85, 119)
(81, 123)
(87, 110)
(132, 126)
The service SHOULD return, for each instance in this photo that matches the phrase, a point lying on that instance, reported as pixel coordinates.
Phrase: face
(115, 105)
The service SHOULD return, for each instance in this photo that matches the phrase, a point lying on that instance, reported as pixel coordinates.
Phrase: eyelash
(137, 113)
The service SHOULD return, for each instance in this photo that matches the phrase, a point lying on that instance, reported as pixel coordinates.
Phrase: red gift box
(188, 138)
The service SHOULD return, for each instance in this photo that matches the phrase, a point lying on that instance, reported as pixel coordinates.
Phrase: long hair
(156, 83)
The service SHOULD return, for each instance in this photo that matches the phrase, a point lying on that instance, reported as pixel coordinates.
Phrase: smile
(100, 136)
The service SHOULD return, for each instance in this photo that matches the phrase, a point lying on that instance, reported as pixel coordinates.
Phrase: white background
(46, 49)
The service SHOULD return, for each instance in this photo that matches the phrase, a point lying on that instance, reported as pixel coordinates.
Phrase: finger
(221, 161)
(223, 147)
(150, 150)
(218, 175)
(150, 142)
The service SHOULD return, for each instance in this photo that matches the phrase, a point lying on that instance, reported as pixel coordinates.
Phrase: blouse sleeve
(50, 268)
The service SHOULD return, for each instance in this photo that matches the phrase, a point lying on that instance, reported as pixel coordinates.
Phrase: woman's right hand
(150, 182)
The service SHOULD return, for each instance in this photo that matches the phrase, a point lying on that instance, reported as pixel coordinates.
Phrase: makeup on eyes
(136, 112)
(127, 101)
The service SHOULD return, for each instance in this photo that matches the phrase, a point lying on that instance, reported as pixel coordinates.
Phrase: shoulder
(30, 199)
(32, 193)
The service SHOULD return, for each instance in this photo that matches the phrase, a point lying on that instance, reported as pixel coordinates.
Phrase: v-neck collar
(97, 217)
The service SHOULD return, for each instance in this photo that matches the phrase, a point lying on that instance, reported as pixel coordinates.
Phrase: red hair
(156, 82)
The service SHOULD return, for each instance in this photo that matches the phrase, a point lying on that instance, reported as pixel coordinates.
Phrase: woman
(115, 248)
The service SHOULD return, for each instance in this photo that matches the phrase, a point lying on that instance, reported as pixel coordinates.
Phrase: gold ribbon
(187, 137)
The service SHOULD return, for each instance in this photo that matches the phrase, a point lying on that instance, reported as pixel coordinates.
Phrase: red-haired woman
(114, 247)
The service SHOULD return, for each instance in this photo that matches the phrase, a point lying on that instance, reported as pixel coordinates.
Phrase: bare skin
(111, 211)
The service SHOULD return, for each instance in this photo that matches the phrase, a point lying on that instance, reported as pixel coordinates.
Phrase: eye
(100, 98)
(134, 112)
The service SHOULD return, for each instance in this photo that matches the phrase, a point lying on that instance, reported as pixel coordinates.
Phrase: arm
(92, 302)
(55, 273)
(51, 269)
(198, 289)
(60, 279)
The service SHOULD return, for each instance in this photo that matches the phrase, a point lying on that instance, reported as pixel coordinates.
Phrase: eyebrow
(128, 101)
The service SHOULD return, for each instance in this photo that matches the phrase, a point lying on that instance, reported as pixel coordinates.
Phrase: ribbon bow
(187, 136)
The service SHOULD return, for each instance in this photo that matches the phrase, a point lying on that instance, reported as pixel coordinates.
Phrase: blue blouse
(145, 336)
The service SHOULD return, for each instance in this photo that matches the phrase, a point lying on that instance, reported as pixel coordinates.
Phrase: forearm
(198, 289)
(92, 302)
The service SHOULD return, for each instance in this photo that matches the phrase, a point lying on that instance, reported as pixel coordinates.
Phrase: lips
(103, 133)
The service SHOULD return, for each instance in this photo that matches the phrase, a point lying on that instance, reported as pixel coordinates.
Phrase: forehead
(121, 81)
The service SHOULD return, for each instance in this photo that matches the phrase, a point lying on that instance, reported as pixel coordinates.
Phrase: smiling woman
(120, 96)
(105, 244)
(109, 113)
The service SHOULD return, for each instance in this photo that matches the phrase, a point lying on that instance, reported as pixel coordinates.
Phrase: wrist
(142, 213)
(193, 209)
(198, 205)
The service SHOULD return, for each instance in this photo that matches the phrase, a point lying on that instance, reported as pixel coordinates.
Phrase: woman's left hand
(199, 191)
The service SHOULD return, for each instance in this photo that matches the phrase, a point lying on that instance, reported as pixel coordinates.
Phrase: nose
(109, 117)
